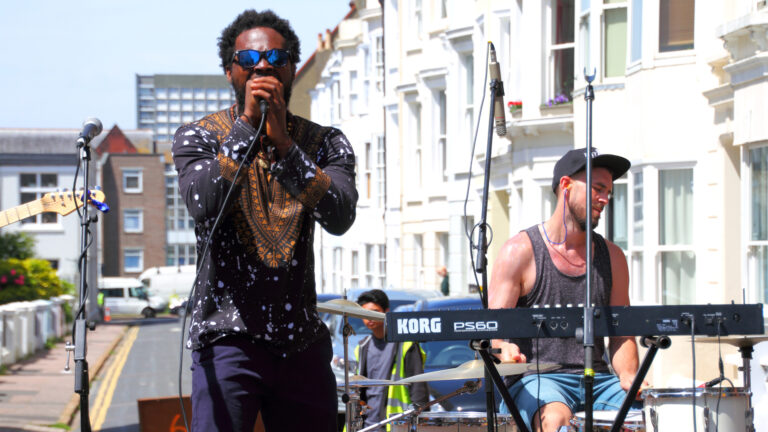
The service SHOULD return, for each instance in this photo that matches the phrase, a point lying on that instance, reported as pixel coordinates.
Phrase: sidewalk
(38, 393)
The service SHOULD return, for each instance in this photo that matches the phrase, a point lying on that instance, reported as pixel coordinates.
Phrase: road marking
(107, 389)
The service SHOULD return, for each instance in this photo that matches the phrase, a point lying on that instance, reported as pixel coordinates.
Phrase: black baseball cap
(374, 296)
(576, 160)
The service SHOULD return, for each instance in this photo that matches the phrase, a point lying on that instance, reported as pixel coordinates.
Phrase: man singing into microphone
(258, 343)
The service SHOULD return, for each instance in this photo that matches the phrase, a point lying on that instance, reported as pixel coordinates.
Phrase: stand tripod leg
(490, 367)
(655, 343)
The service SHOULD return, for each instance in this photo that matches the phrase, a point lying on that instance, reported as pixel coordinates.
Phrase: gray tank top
(554, 288)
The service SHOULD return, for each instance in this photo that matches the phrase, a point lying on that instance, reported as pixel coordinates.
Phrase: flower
(514, 105)
(559, 99)
(3, 279)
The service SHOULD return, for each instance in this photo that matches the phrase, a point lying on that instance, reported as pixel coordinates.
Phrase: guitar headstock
(65, 202)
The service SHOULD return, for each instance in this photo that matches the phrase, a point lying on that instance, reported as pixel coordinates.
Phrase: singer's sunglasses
(250, 58)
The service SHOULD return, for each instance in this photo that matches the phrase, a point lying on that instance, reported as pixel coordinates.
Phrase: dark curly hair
(250, 19)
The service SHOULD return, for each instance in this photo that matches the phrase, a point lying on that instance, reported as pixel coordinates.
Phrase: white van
(126, 296)
(171, 283)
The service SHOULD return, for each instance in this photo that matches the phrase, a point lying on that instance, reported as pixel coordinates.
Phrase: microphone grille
(501, 130)
(95, 122)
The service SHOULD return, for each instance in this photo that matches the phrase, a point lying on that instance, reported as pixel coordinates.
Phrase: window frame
(139, 214)
(128, 172)
(39, 191)
(140, 253)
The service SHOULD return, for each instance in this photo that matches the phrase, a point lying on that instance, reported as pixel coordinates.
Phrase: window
(548, 201)
(678, 260)
(561, 68)
(181, 254)
(418, 261)
(415, 130)
(173, 93)
(370, 265)
(161, 93)
(367, 170)
(636, 264)
(133, 220)
(337, 281)
(132, 180)
(31, 188)
(442, 249)
(380, 171)
(355, 278)
(133, 260)
(757, 240)
(615, 38)
(177, 217)
(635, 51)
(382, 265)
(379, 62)
(675, 25)
(417, 18)
(617, 216)
(353, 98)
(439, 158)
(467, 74)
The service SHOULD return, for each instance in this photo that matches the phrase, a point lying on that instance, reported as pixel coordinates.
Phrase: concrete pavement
(38, 393)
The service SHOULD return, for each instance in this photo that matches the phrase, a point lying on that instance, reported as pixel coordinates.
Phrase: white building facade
(679, 90)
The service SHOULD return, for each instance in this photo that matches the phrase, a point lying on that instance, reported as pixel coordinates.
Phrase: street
(144, 365)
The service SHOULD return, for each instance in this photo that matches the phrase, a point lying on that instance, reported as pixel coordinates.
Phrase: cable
(469, 176)
(538, 375)
(693, 376)
(187, 307)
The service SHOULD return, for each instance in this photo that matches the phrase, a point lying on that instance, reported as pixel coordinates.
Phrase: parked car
(127, 297)
(443, 355)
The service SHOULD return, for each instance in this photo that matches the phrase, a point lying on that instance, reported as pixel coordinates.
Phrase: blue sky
(64, 61)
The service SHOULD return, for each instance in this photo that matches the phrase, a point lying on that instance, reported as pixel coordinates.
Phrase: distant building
(163, 104)
(134, 229)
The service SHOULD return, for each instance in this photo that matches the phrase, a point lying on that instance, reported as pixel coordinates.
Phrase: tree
(16, 244)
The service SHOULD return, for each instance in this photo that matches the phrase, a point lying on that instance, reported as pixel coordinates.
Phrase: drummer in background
(546, 265)
(379, 359)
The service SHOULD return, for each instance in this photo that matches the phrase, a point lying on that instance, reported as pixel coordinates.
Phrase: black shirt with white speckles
(238, 291)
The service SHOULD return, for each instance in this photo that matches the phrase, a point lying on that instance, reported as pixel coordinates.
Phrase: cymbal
(349, 308)
(474, 369)
(361, 381)
(737, 341)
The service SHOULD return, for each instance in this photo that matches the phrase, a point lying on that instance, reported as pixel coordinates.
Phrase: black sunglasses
(250, 58)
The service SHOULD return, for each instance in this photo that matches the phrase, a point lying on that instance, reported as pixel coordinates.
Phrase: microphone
(498, 111)
(263, 106)
(91, 128)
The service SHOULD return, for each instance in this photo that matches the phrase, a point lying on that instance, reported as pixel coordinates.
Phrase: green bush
(16, 244)
(29, 279)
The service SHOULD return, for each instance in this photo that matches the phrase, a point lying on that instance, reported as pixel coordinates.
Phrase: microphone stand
(81, 326)
(481, 267)
(589, 318)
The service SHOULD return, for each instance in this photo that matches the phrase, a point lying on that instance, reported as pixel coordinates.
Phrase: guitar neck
(20, 212)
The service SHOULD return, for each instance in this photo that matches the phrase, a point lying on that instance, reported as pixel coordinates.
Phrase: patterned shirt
(258, 277)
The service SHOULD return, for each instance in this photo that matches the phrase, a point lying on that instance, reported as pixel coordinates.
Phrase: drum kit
(714, 408)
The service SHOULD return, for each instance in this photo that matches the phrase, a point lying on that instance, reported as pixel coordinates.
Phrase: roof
(60, 141)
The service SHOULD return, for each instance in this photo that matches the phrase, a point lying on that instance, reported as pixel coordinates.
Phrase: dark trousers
(234, 378)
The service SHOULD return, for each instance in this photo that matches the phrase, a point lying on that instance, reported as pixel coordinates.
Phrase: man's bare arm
(623, 350)
(508, 284)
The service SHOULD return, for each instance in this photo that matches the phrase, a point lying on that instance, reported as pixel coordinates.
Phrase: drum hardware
(745, 345)
(458, 421)
(724, 410)
(603, 421)
(475, 369)
(348, 309)
(468, 388)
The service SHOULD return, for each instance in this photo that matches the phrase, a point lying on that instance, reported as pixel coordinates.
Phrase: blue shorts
(565, 388)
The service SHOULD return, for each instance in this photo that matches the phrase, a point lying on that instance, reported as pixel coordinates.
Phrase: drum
(603, 421)
(463, 421)
(671, 410)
